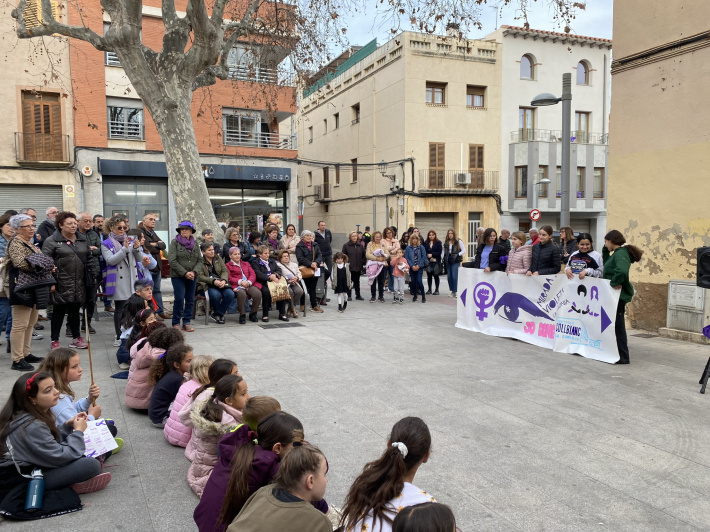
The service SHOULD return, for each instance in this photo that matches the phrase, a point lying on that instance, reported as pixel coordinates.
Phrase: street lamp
(543, 181)
(543, 100)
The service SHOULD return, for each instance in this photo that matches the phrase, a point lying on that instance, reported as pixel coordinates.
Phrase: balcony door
(41, 127)
(526, 123)
(437, 166)
(475, 165)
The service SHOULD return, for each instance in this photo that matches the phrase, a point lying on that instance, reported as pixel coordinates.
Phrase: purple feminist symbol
(483, 298)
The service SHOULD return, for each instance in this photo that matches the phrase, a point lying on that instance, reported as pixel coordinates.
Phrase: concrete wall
(660, 151)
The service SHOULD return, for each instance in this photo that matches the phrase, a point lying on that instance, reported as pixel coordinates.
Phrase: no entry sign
(535, 215)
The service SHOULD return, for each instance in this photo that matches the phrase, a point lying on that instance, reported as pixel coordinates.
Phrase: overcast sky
(595, 21)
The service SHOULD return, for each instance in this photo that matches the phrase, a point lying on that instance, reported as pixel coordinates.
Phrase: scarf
(266, 264)
(274, 243)
(187, 243)
(309, 245)
(116, 240)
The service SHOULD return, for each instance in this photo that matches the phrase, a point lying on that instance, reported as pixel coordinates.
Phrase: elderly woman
(233, 240)
(355, 251)
(71, 253)
(267, 269)
(6, 234)
(289, 242)
(121, 254)
(272, 239)
(213, 279)
(24, 301)
(293, 277)
(377, 252)
(308, 255)
(242, 279)
(184, 256)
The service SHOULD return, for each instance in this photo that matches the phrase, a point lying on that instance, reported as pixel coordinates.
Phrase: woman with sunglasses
(121, 254)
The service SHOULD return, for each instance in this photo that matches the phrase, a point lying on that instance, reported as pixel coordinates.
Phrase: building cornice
(662, 52)
(555, 37)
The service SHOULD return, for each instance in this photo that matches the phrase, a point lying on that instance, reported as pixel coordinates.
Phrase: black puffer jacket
(70, 265)
(356, 255)
(494, 262)
(306, 256)
(545, 259)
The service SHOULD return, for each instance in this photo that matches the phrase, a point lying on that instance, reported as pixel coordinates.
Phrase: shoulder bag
(307, 272)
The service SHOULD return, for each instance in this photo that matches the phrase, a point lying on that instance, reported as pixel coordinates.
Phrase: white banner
(545, 310)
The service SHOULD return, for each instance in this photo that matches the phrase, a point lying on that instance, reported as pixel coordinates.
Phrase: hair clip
(297, 443)
(30, 381)
(402, 448)
(161, 356)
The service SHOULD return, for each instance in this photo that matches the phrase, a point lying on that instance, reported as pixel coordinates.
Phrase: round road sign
(535, 215)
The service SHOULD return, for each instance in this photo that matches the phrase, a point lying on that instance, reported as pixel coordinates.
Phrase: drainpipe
(604, 101)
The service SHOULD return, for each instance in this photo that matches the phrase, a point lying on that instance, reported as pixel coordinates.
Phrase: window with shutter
(475, 96)
(41, 127)
(436, 165)
(475, 165)
(326, 184)
(33, 13)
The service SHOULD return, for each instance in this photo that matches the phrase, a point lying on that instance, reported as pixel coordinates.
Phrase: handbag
(279, 291)
(433, 268)
(306, 272)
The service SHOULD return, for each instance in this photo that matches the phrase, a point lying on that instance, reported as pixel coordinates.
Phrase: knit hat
(184, 224)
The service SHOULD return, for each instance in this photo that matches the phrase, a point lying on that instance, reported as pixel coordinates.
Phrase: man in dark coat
(324, 239)
(154, 245)
(47, 228)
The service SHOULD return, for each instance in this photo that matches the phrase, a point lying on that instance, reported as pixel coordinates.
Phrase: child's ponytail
(226, 387)
(218, 369)
(138, 330)
(383, 480)
(166, 363)
(278, 427)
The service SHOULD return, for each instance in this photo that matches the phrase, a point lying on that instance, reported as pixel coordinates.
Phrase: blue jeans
(452, 275)
(157, 294)
(220, 300)
(184, 290)
(5, 315)
(416, 283)
(390, 281)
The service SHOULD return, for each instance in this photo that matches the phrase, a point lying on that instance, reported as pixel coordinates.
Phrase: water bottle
(35, 491)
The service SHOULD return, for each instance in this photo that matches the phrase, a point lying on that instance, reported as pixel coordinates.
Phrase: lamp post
(543, 181)
(545, 99)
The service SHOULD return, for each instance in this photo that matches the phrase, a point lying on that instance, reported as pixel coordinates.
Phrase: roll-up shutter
(440, 222)
(37, 197)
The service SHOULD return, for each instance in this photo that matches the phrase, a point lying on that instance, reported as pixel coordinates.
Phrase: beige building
(659, 160)
(36, 134)
(429, 107)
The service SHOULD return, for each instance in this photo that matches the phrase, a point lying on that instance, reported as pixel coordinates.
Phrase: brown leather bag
(307, 272)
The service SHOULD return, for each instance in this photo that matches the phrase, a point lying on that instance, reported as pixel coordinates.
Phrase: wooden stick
(88, 343)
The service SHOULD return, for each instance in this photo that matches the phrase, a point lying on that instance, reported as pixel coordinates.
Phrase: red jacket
(235, 273)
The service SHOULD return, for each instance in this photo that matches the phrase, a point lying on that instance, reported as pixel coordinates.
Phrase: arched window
(582, 73)
(527, 67)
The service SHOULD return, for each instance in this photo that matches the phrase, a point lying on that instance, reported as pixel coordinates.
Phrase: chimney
(452, 30)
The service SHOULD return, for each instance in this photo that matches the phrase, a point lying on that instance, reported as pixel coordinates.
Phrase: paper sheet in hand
(98, 439)
(317, 273)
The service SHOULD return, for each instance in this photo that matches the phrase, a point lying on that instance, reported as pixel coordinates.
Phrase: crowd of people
(203, 404)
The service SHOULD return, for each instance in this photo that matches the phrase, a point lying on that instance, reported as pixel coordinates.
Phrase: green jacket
(616, 269)
(182, 260)
(204, 279)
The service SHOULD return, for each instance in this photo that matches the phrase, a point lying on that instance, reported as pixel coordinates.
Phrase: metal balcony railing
(41, 147)
(258, 140)
(126, 130)
(261, 75)
(551, 135)
(482, 181)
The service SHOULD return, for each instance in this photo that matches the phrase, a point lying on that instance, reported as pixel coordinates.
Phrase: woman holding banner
(545, 255)
(489, 253)
(618, 257)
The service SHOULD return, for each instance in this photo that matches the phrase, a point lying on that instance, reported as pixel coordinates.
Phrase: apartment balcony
(39, 149)
(458, 182)
(259, 140)
(270, 76)
(551, 135)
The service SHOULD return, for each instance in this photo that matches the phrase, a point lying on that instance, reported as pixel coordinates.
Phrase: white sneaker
(36, 336)
(124, 365)
(117, 343)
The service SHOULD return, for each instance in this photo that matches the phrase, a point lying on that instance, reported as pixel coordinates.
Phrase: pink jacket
(206, 436)
(184, 418)
(138, 390)
(519, 261)
(175, 432)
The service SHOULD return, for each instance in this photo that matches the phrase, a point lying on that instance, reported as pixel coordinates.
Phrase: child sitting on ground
(175, 432)
(159, 340)
(400, 269)
(341, 280)
(211, 419)
(142, 319)
(166, 376)
(257, 408)
(429, 516)
(64, 366)
(287, 505)
(218, 369)
(133, 306)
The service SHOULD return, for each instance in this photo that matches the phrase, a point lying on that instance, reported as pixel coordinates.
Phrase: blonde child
(175, 432)
(211, 419)
(64, 366)
(341, 280)
(400, 269)
(167, 375)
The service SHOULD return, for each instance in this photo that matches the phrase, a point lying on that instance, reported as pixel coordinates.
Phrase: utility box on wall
(688, 311)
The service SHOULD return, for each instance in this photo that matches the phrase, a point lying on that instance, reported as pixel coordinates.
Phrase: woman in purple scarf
(184, 256)
(272, 240)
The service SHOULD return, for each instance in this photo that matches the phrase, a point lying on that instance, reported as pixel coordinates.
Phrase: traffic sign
(535, 215)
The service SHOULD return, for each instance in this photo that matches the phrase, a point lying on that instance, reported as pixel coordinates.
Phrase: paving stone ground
(523, 438)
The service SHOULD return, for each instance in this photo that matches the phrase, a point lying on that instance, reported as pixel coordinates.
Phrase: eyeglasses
(121, 227)
(26, 226)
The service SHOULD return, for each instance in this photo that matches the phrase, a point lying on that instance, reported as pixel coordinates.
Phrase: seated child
(257, 408)
(159, 340)
(30, 438)
(133, 306)
(218, 369)
(142, 319)
(175, 432)
(211, 418)
(64, 366)
(287, 505)
(430, 516)
(382, 484)
(166, 376)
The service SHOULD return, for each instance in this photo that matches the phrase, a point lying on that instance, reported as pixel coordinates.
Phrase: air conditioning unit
(462, 179)
(316, 191)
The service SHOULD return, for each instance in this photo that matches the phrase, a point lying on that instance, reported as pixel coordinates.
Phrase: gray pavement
(523, 438)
